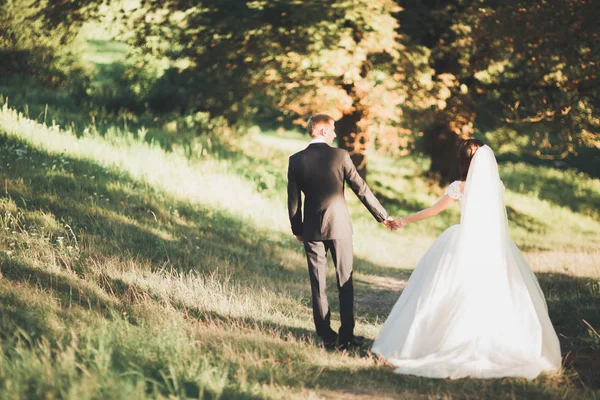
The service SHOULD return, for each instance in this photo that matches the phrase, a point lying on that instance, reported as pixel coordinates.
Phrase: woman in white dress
(472, 307)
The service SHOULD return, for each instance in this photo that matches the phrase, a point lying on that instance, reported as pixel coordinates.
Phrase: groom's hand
(300, 238)
(389, 223)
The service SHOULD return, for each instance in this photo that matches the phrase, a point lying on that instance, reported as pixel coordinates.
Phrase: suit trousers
(342, 255)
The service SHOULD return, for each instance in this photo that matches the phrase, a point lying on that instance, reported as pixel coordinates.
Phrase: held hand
(300, 238)
(398, 223)
(388, 223)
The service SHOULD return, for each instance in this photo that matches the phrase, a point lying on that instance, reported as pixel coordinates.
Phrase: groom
(319, 171)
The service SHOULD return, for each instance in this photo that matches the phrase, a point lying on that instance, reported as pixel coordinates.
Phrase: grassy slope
(129, 272)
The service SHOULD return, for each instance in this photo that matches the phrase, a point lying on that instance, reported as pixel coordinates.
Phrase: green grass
(132, 272)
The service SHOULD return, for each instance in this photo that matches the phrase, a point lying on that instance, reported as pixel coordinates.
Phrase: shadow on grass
(68, 289)
(19, 315)
(374, 380)
(107, 210)
(571, 301)
(529, 224)
(562, 192)
(380, 381)
(377, 379)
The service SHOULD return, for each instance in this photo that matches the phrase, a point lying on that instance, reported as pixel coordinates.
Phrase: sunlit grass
(207, 183)
(132, 272)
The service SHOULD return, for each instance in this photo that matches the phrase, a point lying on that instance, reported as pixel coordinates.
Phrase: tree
(25, 48)
(445, 28)
(529, 66)
(541, 63)
(32, 45)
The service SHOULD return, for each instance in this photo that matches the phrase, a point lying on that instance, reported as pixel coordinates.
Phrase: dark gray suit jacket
(319, 171)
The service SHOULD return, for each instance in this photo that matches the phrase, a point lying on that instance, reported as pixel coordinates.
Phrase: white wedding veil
(504, 292)
(483, 246)
(483, 214)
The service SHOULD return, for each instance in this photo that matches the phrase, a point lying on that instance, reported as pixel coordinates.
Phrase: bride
(472, 307)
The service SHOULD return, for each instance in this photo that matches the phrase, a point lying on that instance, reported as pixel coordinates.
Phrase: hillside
(132, 272)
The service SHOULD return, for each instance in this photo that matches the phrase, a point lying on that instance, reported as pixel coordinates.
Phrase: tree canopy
(342, 57)
(399, 75)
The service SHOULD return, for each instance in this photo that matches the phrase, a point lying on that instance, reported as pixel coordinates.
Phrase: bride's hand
(397, 224)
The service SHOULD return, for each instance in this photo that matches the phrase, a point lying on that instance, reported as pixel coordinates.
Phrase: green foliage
(304, 56)
(548, 80)
(403, 77)
(30, 49)
(509, 66)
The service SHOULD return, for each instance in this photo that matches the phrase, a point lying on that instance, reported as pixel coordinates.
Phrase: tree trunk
(352, 138)
(352, 131)
(441, 145)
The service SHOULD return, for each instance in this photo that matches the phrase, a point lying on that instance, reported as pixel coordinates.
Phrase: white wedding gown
(472, 307)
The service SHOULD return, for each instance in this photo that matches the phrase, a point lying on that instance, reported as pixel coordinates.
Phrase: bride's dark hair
(466, 151)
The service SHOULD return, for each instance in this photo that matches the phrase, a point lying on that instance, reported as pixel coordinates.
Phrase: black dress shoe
(356, 341)
(329, 344)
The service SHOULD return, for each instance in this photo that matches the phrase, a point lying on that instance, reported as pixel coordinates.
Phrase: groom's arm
(294, 201)
(362, 191)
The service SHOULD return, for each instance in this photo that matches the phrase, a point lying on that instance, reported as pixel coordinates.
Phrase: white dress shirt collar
(317, 140)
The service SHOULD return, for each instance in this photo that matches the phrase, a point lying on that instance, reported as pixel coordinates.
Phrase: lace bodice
(453, 191)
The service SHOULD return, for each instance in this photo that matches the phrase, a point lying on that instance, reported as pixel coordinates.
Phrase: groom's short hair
(315, 120)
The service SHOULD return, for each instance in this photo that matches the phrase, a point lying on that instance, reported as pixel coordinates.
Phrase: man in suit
(319, 171)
